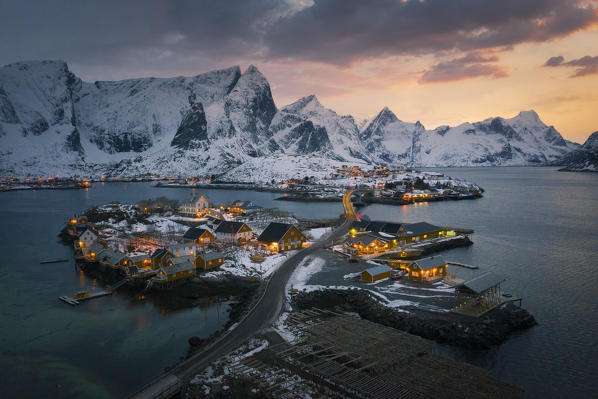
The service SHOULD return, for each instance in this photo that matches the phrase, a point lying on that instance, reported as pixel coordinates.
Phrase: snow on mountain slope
(306, 126)
(52, 123)
(584, 158)
(522, 140)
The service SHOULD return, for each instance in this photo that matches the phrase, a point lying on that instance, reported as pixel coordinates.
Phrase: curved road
(262, 315)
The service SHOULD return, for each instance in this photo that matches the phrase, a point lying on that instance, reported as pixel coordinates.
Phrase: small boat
(81, 295)
(353, 260)
(258, 258)
(507, 295)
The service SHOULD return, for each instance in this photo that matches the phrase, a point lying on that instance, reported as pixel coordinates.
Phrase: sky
(441, 62)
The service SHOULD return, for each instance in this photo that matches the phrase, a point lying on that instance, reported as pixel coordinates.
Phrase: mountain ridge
(215, 121)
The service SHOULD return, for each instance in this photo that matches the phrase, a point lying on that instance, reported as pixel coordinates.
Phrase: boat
(258, 258)
(353, 260)
(81, 295)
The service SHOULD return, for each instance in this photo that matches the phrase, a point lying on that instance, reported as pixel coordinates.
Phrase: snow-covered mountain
(522, 140)
(51, 122)
(583, 159)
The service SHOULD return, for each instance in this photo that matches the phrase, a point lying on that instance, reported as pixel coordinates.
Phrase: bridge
(266, 311)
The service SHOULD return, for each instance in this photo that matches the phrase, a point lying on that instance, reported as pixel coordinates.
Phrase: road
(262, 315)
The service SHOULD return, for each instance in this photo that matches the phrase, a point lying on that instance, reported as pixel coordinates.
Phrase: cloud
(554, 61)
(472, 65)
(204, 34)
(584, 66)
(342, 31)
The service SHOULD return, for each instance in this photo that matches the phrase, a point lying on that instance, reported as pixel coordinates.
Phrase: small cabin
(427, 269)
(282, 237)
(233, 232)
(209, 260)
(376, 273)
(199, 236)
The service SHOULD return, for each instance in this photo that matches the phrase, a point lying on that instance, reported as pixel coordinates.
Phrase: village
(380, 184)
(161, 244)
(385, 272)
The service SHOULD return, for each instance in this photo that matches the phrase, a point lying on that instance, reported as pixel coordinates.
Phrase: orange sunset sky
(436, 61)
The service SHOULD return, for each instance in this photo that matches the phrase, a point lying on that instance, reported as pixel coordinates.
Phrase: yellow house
(282, 237)
(366, 244)
(178, 269)
(376, 273)
(209, 260)
(427, 269)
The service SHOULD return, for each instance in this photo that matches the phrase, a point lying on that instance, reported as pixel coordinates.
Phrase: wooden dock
(92, 295)
(474, 309)
(43, 262)
(463, 265)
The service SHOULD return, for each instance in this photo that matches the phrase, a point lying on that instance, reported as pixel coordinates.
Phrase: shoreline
(481, 333)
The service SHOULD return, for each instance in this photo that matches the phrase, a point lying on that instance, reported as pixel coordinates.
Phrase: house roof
(194, 233)
(274, 232)
(482, 282)
(181, 259)
(229, 227)
(392, 228)
(415, 229)
(374, 271)
(158, 253)
(177, 268)
(211, 256)
(90, 230)
(430, 263)
(113, 257)
(96, 248)
(364, 240)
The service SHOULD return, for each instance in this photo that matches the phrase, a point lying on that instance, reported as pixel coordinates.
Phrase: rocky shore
(468, 332)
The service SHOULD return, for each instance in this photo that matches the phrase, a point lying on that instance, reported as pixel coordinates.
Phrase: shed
(376, 273)
(209, 260)
(481, 284)
(422, 231)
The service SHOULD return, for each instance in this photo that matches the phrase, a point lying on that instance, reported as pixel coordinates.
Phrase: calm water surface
(535, 226)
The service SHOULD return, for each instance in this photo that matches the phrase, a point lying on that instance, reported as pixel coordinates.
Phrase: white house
(87, 238)
(194, 207)
(184, 249)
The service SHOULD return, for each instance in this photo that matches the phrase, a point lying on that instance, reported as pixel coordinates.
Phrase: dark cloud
(584, 66)
(473, 65)
(554, 61)
(340, 31)
(176, 36)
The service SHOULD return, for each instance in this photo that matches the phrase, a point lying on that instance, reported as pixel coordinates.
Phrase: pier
(463, 265)
(95, 294)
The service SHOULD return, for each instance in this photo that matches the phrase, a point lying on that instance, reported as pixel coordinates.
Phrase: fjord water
(535, 226)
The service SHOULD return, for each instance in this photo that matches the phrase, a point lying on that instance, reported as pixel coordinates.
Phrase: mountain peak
(386, 116)
(310, 101)
(528, 117)
(252, 69)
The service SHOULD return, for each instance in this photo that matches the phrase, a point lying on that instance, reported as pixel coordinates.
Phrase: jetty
(463, 265)
(43, 262)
